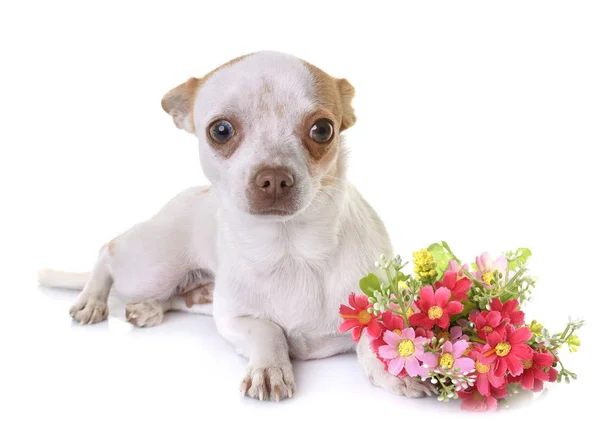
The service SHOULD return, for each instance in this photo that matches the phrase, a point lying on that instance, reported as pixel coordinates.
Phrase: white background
(478, 123)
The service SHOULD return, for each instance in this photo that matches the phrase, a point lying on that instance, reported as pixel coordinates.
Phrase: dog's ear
(346, 91)
(179, 103)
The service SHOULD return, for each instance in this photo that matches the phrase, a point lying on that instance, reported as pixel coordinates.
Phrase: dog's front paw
(89, 311)
(269, 382)
(144, 313)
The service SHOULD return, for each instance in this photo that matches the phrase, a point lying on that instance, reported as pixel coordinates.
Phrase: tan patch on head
(179, 102)
(335, 95)
(334, 102)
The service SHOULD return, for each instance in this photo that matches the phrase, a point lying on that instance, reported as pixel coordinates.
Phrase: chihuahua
(275, 243)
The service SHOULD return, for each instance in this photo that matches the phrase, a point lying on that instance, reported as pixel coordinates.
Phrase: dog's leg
(269, 375)
(407, 386)
(91, 304)
(193, 294)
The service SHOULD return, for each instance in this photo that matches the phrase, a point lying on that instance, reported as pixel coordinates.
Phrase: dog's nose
(275, 182)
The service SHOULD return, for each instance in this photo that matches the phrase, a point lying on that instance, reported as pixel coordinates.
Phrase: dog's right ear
(179, 103)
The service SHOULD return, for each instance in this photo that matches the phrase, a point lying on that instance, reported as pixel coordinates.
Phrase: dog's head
(269, 129)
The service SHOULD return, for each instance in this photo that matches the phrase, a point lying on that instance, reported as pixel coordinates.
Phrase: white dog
(276, 243)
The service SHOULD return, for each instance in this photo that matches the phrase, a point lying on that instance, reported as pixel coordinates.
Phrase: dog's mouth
(272, 211)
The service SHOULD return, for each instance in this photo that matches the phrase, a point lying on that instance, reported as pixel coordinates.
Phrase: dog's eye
(322, 131)
(221, 131)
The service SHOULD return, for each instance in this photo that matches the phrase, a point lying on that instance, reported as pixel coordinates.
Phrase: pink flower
(357, 317)
(486, 268)
(460, 270)
(436, 308)
(508, 311)
(404, 352)
(450, 357)
(391, 322)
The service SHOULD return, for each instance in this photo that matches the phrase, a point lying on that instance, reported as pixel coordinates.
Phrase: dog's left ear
(179, 103)
(346, 91)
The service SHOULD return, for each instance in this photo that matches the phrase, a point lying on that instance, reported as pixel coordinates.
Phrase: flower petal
(388, 352)
(427, 298)
(348, 324)
(444, 321)
(442, 295)
(345, 310)
(417, 319)
(543, 359)
(521, 351)
(520, 335)
(449, 279)
(517, 318)
(527, 380)
(464, 363)
(483, 385)
(396, 365)
(374, 329)
(430, 359)
(453, 307)
(459, 348)
(356, 332)
(462, 286)
(515, 366)
(391, 338)
(494, 318)
(361, 301)
(408, 333)
(412, 366)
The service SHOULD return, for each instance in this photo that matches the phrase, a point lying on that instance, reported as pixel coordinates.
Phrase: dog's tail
(61, 279)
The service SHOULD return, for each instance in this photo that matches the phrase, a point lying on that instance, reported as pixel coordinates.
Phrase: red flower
(488, 322)
(420, 331)
(473, 400)
(357, 317)
(436, 308)
(486, 376)
(509, 311)
(458, 287)
(534, 376)
(509, 350)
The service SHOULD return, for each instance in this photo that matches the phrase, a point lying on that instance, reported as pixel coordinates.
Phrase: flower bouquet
(462, 329)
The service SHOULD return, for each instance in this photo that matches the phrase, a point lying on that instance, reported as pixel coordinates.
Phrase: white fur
(279, 281)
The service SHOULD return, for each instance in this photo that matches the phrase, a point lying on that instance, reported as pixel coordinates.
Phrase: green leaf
(401, 276)
(468, 306)
(522, 255)
(369, 284)
(441, 257)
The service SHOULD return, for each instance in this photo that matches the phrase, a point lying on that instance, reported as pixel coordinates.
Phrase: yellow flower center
(446, 360)
(488, 329)
(364, 317)
(481, 368)
(527, 364)
(406, 348)
(435, 312)
(503, 348)
(487, 278)
(409, 312)
(442, 334)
